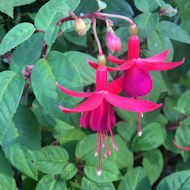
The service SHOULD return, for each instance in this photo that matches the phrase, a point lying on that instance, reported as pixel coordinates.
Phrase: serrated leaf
(135, 179)
(153, 164)
(52, 159)
(6, 175)
(11, 88)
(49, 182)
(184, 102)
(159, 42)
(174, 31)
(146, 5)
(16, 36)
(110, 171)
(175, 181)
(153, 135)
(146, 23)
(21, 142)
(27, 53)
(69, 172)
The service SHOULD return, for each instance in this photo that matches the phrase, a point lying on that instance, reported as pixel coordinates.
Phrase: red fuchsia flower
(113, 42)
(137, 79)
(98, 113)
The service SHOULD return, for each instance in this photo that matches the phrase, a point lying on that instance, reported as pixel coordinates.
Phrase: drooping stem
(96, 37)
(117, 16)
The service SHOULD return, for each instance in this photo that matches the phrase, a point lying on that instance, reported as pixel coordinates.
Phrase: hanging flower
(137, 79)
(98, 113)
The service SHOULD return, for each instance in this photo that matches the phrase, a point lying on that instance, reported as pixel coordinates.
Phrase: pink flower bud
(113, 42)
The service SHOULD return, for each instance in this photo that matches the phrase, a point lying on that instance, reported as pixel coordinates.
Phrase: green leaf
(11, 88)
(135, 179)
(16, 36)
(184, 102)
(69, 172)
(27, 53)
(110, 171)
(174, 31)
(175, 181)
(146, 23)
(146, 5)
(22, 2)
(159, 42)
(6, 6)
(50, 182)
(90, 185)
(126, 130)
(68, 26)
(21, 142)
(48, 11)
(153, 135)
(153, 164)
(52, 159)
(6, 175)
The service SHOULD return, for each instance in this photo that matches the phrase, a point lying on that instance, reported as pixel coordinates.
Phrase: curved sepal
(116, 86)
(114, 59)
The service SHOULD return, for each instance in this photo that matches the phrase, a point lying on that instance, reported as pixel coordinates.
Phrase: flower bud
(113, 42)
(80, 26)
(101, 60)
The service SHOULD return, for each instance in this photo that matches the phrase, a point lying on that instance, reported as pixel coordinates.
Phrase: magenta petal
(92, 64)
(116, 86)
(84, 119)
(124, 66)
(90, 104)
(72, 93)
(130, 104)
(115, 59)
(158, 66)
(137, 82)
(157, 58)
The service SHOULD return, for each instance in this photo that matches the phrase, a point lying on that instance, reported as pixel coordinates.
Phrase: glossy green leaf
(6, 175)
(184, 102)
(69, 172)
(153, 135)
(153, 164)
(50, 182)
(6, 6)
(146, 5)
(110, 171)
(68, 26)
(22, 2)
(135, 179)
(159, 42)
(52, 159)
(11, 88)
(48, 11)
(174, 31)
(16, 36)
(27, 53)
(175, 181)
(21, 142)
(146, 23)
(90, 185)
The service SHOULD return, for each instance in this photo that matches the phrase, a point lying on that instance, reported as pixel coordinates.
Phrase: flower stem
(96, 37)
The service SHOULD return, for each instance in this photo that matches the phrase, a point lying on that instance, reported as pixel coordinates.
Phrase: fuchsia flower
(113, 42)
(98, 113)
(137, 79)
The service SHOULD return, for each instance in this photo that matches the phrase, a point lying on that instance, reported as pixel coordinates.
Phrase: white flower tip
(139, 133)
(99, 172)
(105, 155)
(115, 147)
(109, 152)
(96, 154)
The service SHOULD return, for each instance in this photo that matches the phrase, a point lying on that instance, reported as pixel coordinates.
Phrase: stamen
(114, 145)
(96, 153)
(99, 167)
(109, 152)
(104, 139)
(147, 98)
(141, 112)
(139, 126)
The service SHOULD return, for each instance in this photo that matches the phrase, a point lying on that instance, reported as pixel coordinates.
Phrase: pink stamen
(141, 112)
(109, 152)
(181, 147)
(104, 139)
(114, 145)
(96, 153)
(99, 167)
(139, 126)
(147, 98)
